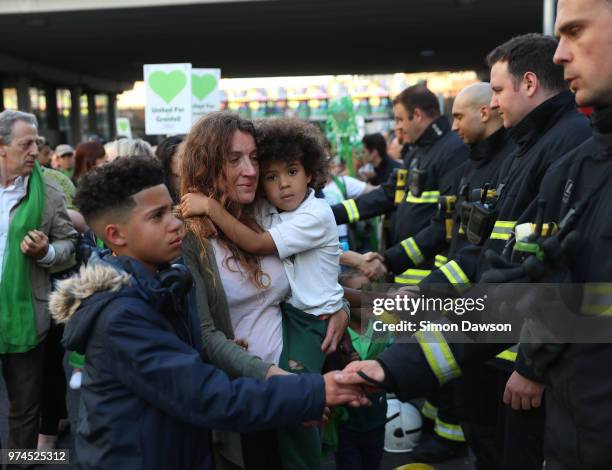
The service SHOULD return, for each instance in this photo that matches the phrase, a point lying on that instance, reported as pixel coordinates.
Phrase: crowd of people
(209, 291)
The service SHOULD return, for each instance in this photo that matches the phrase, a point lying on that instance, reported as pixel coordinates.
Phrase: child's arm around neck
(245, 237)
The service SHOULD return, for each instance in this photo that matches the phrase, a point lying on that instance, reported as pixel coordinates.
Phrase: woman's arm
(246, 238)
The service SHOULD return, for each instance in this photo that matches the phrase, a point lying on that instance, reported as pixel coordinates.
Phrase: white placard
(124, 128)
(168, 98)
(205, 96)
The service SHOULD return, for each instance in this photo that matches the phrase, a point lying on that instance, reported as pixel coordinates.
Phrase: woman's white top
(255, 313)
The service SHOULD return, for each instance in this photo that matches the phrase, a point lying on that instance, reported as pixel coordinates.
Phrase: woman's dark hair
(165, 151)
(203, 156)
(85, 157)
(291, 139)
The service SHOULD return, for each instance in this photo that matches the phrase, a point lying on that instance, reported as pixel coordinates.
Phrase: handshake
(352, 385)
(370, 264)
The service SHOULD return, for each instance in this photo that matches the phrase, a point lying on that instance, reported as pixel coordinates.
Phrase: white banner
(168, 98)
(205, 96)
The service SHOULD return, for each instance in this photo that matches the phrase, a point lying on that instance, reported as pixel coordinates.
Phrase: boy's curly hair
(291, 139)
(110, 187)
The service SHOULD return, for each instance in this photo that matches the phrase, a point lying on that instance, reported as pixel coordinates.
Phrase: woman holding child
(262, 251)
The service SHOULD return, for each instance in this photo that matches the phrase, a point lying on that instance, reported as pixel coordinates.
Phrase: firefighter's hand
(502, 270)
(338, 393)
(35, 244)
(522, 393)
(373, 269)
(372, 369)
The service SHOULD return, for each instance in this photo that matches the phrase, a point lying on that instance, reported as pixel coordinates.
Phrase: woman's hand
(335, 330)
(193, 204)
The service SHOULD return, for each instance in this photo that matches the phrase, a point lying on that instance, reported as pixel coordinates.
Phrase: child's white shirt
(307, 242)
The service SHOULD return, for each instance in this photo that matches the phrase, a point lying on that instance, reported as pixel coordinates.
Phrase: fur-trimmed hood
(79, 300)
(92, 278)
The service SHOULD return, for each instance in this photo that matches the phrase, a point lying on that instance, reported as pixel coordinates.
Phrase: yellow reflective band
(507, 355)
(502, 230)
(427, 197)
(441, 260)
(456, 276)
(438, 355)
(399, 195)
(461, 231)
(597, 299)
(400, 184)
(351, 210)
(389, 318)
(429, 411)
(412, 276)
(453, 432)
(412, 251)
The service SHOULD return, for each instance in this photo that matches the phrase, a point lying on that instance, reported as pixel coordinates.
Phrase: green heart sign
(167, 85)
(202, 85)
(124, 126)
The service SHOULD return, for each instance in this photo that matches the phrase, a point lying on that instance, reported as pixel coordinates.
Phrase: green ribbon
(17, 313)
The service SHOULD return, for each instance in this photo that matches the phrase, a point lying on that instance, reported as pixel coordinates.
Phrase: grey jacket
(56, 224)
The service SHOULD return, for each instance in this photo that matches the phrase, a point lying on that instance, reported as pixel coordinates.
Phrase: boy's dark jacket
(148, 400)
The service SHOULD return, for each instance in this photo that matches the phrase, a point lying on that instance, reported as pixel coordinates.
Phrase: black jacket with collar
(486, 157)
(546, 134)
(437, 152)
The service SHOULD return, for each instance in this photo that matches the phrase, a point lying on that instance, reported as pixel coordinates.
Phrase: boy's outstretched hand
(342, 394)
(193, 204)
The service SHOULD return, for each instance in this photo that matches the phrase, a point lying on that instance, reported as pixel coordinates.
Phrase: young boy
(147, 398)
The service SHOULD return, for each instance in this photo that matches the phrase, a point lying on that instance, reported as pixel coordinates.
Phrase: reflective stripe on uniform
(449, 431)
(441, 260)
(413, 251)
(429, 411)
(597, 299)
(412, 276)
(438, 355)
(427, 197)
(351, 210)
(456, 276)
(507, 355)
(502, 230)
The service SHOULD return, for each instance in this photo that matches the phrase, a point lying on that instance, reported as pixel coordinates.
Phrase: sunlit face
(285, 184)
(409, 126)
(241, 169)
(18, 157)
(152, 234)
(467, 121)
(511, 102)
(65, 161)
(584, 28)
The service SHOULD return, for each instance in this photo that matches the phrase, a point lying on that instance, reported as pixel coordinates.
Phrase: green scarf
(17, 315)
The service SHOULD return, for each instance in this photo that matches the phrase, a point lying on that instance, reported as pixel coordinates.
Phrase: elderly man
(35, 234)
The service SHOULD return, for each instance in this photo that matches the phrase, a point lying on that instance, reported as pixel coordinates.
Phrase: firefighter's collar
(483, 150)
(434, 131)
(601, 122)
(540, 119)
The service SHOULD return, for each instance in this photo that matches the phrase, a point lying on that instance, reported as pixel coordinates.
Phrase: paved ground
(390, 461)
